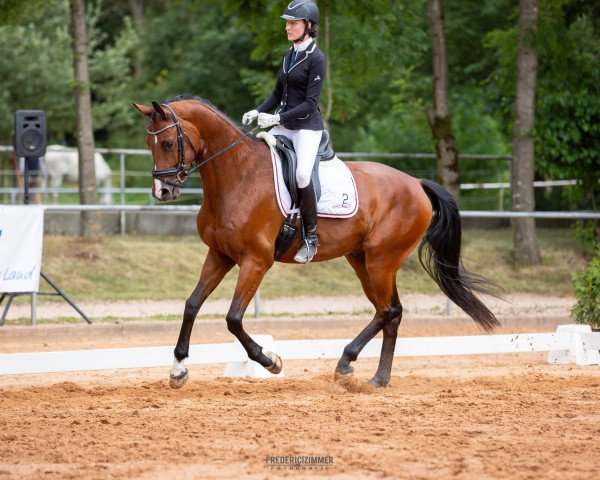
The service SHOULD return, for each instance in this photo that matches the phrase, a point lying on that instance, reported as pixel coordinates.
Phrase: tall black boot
(308, 207)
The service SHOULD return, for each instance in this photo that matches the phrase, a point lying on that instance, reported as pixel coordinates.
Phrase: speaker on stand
(30, 141)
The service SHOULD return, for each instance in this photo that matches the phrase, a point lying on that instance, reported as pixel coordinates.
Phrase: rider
(298, 117)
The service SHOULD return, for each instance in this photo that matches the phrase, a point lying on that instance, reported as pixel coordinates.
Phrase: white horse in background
(63, 164)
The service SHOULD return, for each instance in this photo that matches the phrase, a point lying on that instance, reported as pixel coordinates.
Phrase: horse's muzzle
(165, 192)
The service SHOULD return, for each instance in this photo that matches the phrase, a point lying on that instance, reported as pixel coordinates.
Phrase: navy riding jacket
(297, 91)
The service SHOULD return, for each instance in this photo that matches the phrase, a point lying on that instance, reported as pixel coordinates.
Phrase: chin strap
(307, 30)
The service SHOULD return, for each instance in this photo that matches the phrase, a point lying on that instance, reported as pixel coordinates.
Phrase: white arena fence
(570, 344)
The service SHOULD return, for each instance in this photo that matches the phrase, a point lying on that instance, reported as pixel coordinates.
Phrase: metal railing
(122, 153)
(183, 209)
(123, 192)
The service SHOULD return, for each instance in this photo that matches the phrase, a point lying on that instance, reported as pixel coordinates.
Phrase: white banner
(21, 240)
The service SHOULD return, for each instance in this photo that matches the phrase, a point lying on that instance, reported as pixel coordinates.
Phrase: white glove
(249, 117)
(266, 120)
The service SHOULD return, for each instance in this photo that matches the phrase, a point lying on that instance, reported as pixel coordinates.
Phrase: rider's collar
(300, 47)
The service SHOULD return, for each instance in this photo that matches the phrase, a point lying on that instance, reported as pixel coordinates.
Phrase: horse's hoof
(341, 375)
(378, 383)
(277, 363)
(178, 381)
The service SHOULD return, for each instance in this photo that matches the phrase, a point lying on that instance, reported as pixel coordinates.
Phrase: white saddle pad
(339, 198)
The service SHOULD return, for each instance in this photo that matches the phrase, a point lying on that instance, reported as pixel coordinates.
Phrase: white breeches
(306, 144)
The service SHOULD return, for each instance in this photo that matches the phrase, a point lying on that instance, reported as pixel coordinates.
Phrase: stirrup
(306, 252)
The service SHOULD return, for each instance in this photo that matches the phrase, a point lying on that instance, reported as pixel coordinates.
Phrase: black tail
(439, 253)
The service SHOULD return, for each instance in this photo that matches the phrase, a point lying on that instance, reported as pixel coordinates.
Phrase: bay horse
(239, 221)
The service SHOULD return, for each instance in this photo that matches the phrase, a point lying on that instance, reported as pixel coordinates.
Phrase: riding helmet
(302, 10)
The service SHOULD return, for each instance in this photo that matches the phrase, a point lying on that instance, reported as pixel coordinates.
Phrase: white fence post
(122, 188)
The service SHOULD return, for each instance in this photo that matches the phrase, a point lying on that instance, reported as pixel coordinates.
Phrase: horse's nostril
(164, 192)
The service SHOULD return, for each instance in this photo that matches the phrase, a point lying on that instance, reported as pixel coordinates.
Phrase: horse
(239, 221)
(63, 164)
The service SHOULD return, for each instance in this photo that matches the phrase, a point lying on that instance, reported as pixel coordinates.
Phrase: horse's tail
(439, 253)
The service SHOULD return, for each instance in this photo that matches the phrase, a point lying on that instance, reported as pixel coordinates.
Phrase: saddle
(289, 162)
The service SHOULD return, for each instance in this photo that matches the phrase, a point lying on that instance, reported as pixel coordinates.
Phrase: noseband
(181, 172)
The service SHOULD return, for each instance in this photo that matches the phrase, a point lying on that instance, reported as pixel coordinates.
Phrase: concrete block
(250, 368)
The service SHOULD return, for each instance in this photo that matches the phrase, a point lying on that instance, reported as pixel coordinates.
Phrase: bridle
(180, 171)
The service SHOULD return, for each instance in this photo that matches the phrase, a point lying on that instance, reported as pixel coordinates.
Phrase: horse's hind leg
(353, 348)
(379, 283)
(214, 269)
(390, 333)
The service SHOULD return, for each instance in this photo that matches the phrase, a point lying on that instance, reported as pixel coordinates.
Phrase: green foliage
(587, 290)
(37, 72)
(466, 23)
(567, 130)
(111, 73)
(13, 11)
(195, 50)
(586, 233)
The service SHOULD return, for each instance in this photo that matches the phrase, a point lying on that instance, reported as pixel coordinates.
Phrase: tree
(90, 225)
(439, 116)
(567, 108)
(526, 248)
(137, 14)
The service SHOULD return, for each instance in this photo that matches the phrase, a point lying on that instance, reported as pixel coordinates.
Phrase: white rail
(569, 344)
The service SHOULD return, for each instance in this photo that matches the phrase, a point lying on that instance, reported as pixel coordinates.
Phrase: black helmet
(302, 10)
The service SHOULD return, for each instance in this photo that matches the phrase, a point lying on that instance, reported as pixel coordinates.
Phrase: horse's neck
(239, 170)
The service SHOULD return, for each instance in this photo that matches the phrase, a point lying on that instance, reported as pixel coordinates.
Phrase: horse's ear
(144, 110)
(158, 109)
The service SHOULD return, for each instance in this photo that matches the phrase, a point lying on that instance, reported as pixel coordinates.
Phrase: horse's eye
(168, 145)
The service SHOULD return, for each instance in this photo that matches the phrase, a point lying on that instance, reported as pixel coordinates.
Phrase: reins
(218, 154)
(181, 171)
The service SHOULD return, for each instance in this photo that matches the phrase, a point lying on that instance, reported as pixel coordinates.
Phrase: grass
(145, 267)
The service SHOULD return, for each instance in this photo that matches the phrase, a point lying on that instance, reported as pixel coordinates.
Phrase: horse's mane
(206, 103)
(187, 96)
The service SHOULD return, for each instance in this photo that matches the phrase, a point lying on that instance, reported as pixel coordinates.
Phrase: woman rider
(298, 117)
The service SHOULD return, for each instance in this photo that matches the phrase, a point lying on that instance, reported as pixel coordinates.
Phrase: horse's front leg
(214, 269)
(251, 274)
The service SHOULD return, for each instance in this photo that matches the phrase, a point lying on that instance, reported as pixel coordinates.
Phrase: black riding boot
(308, 207)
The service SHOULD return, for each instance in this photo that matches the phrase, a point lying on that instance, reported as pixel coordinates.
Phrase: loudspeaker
(30, 133)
